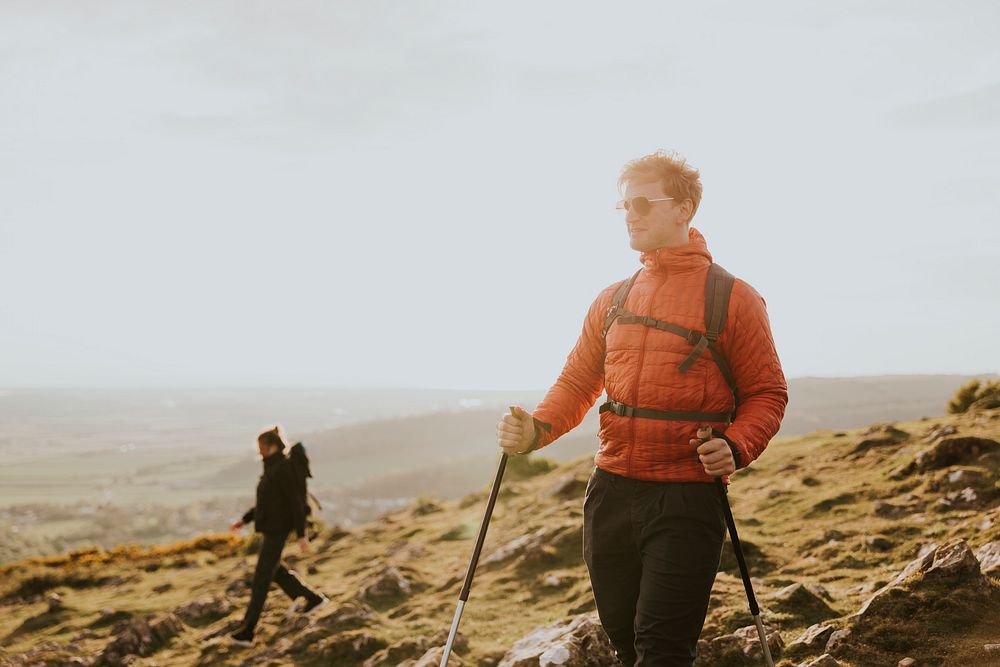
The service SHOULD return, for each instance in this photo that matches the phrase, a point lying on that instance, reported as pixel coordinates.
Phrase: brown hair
(679, 179)
(272, 437)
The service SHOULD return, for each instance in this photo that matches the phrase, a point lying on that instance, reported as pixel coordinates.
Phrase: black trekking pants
(271, 568)
(652, 549)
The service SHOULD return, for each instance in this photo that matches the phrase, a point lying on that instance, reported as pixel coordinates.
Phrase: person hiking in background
(281, 508)
(653, 519)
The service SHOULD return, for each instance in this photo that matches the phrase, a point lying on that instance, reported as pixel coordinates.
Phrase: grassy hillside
(842, 513)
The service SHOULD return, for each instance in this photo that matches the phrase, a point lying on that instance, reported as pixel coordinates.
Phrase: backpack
(718, 288)
(299, 461)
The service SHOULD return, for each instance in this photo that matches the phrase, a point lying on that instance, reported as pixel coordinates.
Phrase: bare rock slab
(580, 642)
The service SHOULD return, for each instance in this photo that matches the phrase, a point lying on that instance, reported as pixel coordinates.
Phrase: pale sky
(422, 193)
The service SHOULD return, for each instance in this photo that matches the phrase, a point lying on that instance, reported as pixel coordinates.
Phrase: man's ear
(688, 207)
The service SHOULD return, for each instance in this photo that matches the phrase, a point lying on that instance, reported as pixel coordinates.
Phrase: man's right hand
(236, 526)
(515, 431)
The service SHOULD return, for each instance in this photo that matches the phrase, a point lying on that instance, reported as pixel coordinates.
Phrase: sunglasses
(640, 205)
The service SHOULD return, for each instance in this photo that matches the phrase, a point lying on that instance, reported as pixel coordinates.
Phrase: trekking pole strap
(624, 410)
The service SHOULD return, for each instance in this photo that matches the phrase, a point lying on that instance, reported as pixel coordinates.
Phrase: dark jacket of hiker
(280, 505)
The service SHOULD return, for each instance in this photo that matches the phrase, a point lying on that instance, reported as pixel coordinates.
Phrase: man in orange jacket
(653, 521)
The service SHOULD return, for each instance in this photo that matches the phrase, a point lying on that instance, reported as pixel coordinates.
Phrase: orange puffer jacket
(639, 367)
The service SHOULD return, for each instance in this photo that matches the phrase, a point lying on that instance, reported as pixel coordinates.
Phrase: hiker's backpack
(299, 461)
(718, 287)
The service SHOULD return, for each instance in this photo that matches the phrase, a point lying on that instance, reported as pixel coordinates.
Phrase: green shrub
(523, 467)
(977, 394)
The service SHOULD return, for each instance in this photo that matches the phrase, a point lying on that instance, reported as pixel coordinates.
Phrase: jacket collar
(692, 256)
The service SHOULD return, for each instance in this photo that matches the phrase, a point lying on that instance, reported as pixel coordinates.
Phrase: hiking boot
(242, 637)
(315, 604)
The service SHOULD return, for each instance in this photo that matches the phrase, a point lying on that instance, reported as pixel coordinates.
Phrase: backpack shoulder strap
(718, 287)
(618, 301)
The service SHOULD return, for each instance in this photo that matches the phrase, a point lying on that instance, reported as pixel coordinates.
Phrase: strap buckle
(622, 410)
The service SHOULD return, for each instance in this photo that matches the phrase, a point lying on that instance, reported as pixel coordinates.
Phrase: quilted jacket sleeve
(748, 346)
(581, 381)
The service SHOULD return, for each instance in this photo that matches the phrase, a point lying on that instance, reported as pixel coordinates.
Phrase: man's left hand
(715, 456)
(304, 545)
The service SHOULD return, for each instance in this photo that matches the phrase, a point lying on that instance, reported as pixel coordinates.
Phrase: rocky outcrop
(580, 642)
(954, 451)
(988, 556)
(352, 646)
(387, 583)
(825, 660)
(812, 641)
(807, 602)
(140, 636)
(742, 647)
(432, 658)
(350, 616)
(878, 436)
(943, 590)
(203, 609)
(540, 547)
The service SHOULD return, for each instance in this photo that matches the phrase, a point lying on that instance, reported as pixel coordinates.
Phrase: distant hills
(158, 465)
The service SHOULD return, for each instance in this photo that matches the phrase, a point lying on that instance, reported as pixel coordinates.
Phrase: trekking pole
(705, 434)
(464, 595)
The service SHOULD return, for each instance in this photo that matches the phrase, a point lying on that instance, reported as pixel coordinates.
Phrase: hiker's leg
(612, 559)
(271, 545)
(290, 583)
(682, 533)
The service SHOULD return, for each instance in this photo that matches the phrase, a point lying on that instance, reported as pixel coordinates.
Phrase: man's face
(662, 225)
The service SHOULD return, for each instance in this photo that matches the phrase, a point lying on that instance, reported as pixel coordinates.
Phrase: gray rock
(203, 608)
(581, 642)
(989, 558)
(951, 565)
(399, 652)
(432, 658)
(539, 547)
(803, 601)
(350, 616)
(141, 636)
(954, 451)
(838, 639)
(963, 499)
(55, 603)
(388, 582)
(939, 431)
(906, 662)
(740, 647)
(825, 660)
(352, 646)
(812, 640)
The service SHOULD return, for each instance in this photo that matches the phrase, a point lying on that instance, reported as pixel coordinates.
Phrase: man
(280, 509)
(653, 521)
